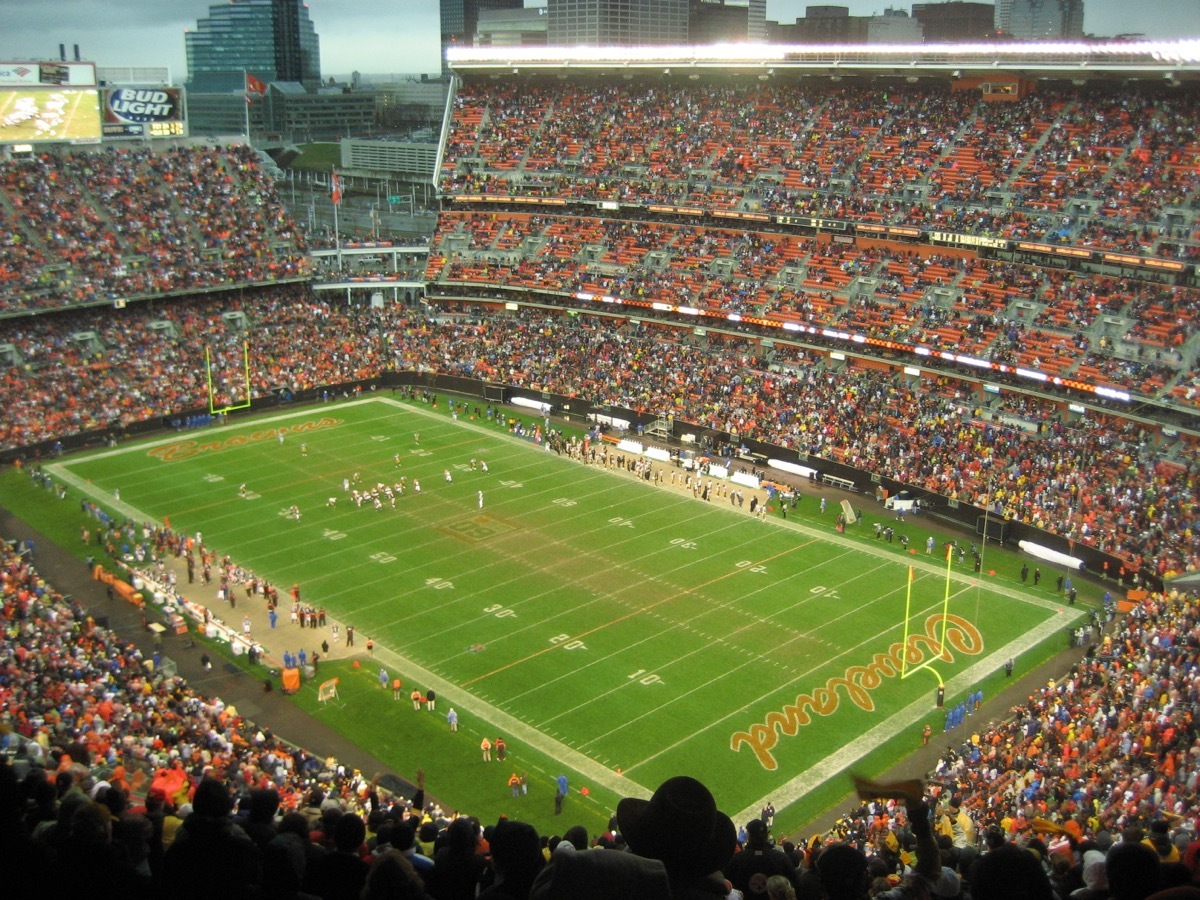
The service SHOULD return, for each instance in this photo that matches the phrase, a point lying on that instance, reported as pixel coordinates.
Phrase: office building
(273, 40)
(511, 27)
(821, 25)
(956, 21)
(460, 21)
(727, 21)
(618, 23)
(894, 26)
(1041, 20)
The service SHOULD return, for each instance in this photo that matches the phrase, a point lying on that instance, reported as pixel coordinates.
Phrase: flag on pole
(335, 189)
(255, 87)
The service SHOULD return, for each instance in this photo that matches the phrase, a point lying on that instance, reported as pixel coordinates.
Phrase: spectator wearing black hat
(681, 826)
(757, 861)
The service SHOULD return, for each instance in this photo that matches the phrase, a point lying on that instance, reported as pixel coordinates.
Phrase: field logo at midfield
(858, 682)
(187, 449)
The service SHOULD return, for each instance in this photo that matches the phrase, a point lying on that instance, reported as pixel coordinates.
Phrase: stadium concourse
(682, 199)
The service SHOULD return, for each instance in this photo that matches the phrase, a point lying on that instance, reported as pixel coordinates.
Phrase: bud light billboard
(143, 112)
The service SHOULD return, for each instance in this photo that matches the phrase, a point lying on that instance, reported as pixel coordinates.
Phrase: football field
(623, 631)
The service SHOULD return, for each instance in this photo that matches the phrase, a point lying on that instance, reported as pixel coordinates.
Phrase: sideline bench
(844, 483)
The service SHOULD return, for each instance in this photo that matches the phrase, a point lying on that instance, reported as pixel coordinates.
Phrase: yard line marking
(622, 618)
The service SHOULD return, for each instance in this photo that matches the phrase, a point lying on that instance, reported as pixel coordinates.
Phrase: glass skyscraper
(273, 40)
(460, 18)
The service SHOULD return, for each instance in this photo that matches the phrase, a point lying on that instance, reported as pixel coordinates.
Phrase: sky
(378, 37)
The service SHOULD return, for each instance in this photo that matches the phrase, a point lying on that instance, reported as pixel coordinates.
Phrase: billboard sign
(47, 74)
(143, 112)
(41, 115)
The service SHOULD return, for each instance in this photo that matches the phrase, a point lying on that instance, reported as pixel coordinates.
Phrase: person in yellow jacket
(1159, 840)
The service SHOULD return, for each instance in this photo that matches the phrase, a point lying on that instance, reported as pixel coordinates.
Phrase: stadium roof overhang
(1175, 61)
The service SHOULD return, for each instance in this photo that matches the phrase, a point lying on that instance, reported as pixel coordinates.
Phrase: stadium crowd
(1098, 479)
(1055, 322)
(895, 153)
(109, 224)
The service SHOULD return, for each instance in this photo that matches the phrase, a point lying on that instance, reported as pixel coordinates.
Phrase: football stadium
(754, 420)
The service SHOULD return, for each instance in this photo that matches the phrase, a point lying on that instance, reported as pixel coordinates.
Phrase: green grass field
(616, 631)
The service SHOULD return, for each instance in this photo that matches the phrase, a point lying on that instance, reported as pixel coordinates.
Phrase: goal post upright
(208, 371)
(928, 665)
(907, 615)
(946, 601)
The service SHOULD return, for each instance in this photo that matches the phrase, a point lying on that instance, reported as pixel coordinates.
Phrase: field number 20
(567, 642)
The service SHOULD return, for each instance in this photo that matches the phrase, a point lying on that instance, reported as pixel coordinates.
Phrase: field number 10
(641, 676)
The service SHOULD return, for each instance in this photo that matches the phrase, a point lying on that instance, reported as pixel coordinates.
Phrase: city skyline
(363, 36)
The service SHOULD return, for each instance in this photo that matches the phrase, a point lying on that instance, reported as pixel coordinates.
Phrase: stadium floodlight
(1099, 53)
(972, 361)
(1111, 394)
